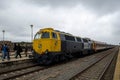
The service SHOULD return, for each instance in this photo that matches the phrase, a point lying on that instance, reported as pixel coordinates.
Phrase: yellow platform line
(117, 69)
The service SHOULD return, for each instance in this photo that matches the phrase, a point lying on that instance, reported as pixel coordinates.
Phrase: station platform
(13, 59)
(117, 68)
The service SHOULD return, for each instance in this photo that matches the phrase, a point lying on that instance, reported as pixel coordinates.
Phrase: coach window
(45, 35)
(62, 36)
(79, 39)
(54, 35)
(70, 38)
(85, 40)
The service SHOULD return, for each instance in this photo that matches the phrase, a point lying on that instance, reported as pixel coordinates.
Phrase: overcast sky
(96, 19)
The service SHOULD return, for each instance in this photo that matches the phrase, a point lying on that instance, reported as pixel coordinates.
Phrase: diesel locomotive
(51, 45)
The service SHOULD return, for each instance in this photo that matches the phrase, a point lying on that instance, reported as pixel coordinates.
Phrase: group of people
(17, 49)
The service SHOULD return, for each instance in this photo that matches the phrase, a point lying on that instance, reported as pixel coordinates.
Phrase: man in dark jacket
(18, 51)
(15, 46)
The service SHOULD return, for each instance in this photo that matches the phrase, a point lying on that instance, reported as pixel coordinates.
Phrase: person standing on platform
(2, 51)
(8, 50)
(26, 49)
(18, 51)
(5, 52)
(15, 49)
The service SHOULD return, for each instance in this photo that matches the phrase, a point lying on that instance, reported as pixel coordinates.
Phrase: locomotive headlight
(46, 51)
(40, 46)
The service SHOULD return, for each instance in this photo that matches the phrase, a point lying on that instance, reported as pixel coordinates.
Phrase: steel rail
(73, 77)
(107, 66)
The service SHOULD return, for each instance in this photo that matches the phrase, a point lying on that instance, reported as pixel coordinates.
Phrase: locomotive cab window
(45, 35)
(42, 35)
(37, 36)
(54, 35)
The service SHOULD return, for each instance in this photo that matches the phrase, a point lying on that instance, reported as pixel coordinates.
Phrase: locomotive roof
(51, 29)
(63, 32)
(46, 29)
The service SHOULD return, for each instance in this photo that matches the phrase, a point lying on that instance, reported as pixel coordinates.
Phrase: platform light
(31, 32)
(3, 34)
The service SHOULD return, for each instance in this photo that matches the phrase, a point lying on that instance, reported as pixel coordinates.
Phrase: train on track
(51, 45)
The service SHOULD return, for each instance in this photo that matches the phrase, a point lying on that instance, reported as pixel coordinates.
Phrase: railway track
(72, 69)
(19, 71)
(17, 62)
(97, 70)
(16, 68)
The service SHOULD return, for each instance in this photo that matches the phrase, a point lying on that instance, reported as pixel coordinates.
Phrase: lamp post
(31, 32)
(3, 34)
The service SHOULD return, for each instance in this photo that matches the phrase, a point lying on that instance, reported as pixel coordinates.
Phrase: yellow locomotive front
(46, 40)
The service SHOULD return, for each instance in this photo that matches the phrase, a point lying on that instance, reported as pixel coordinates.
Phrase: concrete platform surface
(12, 57)
(117, 69)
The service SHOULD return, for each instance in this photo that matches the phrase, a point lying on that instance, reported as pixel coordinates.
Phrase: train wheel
(62, 58)
(48, 62)
(68, 56)
(57, 58)
(45, 60)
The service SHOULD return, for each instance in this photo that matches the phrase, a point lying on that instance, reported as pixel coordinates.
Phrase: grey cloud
(54, 3)
(103, 6)
(99, 6)
(5, 4)
(116, 28)
(14, 27)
